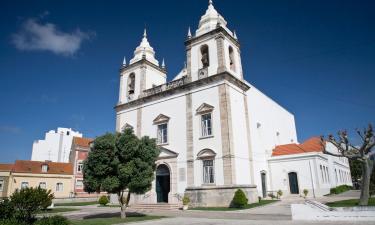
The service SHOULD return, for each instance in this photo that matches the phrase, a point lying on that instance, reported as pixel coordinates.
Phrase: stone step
(163, 206)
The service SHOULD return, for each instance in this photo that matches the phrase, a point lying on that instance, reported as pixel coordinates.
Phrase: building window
(205, 58)
(43, 185)
(162, 133)
(321, 172)
(79, 184)
(44, 168)
(206, 125)
(24, 184)
(1, 185)
(327, 174)
(59, 187)
(80, 167)
(208, 172)
(336, 175)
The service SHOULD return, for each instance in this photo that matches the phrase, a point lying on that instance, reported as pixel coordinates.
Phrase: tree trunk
(367, 167)
(123, 211)
(122, 204)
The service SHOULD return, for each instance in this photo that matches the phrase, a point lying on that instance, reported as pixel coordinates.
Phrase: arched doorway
(293, 183)
(162, 183)
(264, 184)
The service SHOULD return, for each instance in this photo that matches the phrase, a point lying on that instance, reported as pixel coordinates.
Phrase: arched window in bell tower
(131, 85)
(232, 61)
(205, 59)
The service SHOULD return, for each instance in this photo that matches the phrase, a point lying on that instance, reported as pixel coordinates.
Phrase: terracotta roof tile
(82, 142)
(6, 167)
(26, 166)
(311, 145)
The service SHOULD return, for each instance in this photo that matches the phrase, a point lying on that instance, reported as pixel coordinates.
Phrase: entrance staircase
(158, 206)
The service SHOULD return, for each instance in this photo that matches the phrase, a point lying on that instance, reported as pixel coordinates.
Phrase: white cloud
(36, 36)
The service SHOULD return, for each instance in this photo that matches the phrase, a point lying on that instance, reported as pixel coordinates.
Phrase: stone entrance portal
(162, 183)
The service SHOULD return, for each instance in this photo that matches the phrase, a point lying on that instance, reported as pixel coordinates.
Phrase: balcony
(164, 87)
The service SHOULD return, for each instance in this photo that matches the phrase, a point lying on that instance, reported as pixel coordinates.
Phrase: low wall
(68, 200)
(210, 196)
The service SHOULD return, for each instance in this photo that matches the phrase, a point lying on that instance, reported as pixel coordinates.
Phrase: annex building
(217, 132)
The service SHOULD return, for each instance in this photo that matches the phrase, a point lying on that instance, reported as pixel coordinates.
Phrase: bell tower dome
(213, 49)
(143, 72)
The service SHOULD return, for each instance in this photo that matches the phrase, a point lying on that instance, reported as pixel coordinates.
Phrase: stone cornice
(218, 31)
(142, 62)
(184, 88)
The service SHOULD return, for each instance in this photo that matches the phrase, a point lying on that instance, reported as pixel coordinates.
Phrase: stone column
(139, 122)
(188, 62)
(189, 141)
(142, 82)
(247, 120)
(226, 135)
(220, 54)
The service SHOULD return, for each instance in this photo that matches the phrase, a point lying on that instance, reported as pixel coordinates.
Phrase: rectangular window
(163, 133)
(208, 172)
(206, 125)
(43, 185)
(44, 168)
(24, 185)
(79, 184)
(80, 167)
(1, 185)
(59, 187)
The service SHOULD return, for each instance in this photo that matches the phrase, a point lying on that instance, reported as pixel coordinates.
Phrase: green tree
(28, 201)
(364, 154)
(239, 199)
(121, 164)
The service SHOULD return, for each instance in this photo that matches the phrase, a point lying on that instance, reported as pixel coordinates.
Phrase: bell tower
(214, 48)
(143, 72)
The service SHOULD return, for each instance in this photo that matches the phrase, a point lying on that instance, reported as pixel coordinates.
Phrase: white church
(217, 132)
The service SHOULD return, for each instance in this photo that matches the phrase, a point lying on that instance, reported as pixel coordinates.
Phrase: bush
(103, 200)
(6, 209)
(340, 189)
(28, 201)
(12, 221)
(259, 199)
(305, 192)
(53, 220)
(279, 193)
(239, 199)
(185, 200)
(271, 195)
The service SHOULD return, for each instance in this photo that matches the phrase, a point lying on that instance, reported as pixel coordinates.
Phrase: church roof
(311, 145)
(144, 50)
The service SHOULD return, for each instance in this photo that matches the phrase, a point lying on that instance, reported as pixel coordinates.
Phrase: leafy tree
(28, 201)
(365, 154)
(121, 164)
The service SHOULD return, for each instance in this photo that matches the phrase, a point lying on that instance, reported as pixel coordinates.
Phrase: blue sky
(59, 60)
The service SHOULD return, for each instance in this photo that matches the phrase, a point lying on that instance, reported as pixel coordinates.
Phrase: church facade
(215, 129)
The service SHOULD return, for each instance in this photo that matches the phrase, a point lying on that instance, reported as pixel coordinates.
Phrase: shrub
(28, 201)
(305, 192)
(340, 189)
(12, 221)
(279, 193)
(239, 199)
(53, 220)
(185, 200)
(103, 200)
(259, 199)
(6, 209)
(271, 195)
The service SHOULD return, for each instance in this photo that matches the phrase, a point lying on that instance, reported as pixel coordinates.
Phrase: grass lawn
(350, 203)
(76, 203)
(113, 220)
(57, 210)
(249, 206)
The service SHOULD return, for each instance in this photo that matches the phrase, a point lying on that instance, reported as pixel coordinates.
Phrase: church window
(205, 58)
(43, 185)
(206, 125)
(321, 171)
(232, 61)
(59, 187)
(327, 174)
(162, 133)
(131, 84)
(208, 171)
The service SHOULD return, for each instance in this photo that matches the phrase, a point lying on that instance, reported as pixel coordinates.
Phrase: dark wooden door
(162, 183)
(293, 183)
(264, 186)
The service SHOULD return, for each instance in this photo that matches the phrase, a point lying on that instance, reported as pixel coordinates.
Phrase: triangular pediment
(126, 126)
(166, 153)
(204, 108)
(161, 118)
